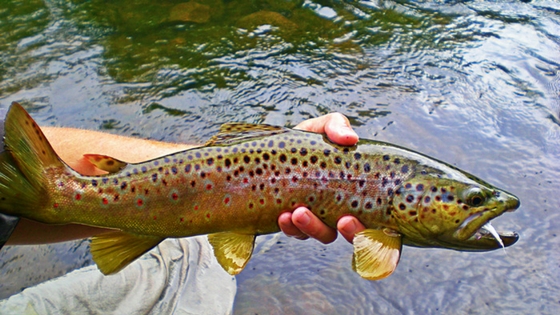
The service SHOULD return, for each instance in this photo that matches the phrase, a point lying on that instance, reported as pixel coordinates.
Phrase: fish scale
(237, 185)
(258, 180)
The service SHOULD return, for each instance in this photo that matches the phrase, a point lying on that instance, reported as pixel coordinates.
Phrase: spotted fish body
(237, 185)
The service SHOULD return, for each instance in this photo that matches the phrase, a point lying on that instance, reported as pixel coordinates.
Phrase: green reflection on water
(141, 38)
(18, 20)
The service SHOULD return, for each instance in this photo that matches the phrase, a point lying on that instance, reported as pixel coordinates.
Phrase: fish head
(451, 209)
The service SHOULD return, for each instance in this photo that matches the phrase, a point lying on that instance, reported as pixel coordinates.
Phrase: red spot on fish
(174, 196)
(78, 196)
(278, 201)
(245, 180)
(140, 202)
(195, 208)
(182, 219)
(208, 215)
(55, 205)
(209, 187)
(226, 201)
(155, 218)
(105, 201)
(100, 190)
(261, 201)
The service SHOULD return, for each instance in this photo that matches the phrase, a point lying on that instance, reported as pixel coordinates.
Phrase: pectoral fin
(376, 253)
(232, 250)
(106, 163)
(115, 250)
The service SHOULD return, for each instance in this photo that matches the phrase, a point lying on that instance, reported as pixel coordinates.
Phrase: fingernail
(304, 219)
(349, 228)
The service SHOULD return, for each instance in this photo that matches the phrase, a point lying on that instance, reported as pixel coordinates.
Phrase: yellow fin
(237, 132)
(232, 250)
(115, 250)
(376, 253)
(23, 183)
(106, 163)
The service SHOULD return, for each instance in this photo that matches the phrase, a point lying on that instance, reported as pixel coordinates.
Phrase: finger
(348, 226)
(311, 225)
(335, 125)
(288, 227)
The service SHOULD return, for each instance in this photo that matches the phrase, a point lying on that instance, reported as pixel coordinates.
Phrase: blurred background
(474, 83)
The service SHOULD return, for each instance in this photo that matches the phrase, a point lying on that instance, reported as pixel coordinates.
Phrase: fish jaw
(474, 235)
(432, 210)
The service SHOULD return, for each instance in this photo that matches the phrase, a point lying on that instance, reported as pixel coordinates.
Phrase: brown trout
(237, 185)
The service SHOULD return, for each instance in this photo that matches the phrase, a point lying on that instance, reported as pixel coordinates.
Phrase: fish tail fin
(23, 181)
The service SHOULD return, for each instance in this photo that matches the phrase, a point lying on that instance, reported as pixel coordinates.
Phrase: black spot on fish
(246, 159)
(303, 152)
(347, 164)
(402, 206)
(327, 152)
(337, 160)
(174, 170)
(154, 177)
(386, 157)
(294, 161)
(419, 187)
(123, 185)
(427, 199)
(409, 198)
(209, 161)
(354, 204)
(259, 171)
(367, 168)
(94, 183)
(283, 158)
(266, 157)
(323, 165)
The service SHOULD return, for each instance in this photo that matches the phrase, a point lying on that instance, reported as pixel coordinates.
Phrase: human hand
(302, 223)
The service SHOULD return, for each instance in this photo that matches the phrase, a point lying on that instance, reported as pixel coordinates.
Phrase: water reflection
(475, 83)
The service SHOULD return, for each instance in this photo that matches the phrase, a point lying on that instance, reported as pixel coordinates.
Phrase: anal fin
(115, 250)
(376, 253)
(232, 250)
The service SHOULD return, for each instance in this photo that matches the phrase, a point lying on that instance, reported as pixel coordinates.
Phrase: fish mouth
(476, 233)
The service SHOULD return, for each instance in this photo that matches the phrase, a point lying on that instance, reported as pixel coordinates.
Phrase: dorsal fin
(237, 132)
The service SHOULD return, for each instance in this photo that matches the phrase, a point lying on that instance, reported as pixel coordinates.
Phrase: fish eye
(475, 197)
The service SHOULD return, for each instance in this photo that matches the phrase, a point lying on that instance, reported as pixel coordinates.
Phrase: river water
(474, 83)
